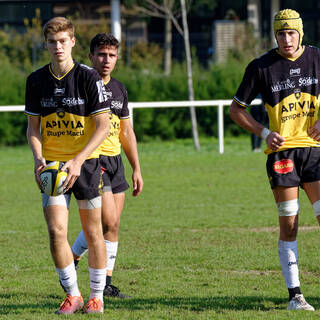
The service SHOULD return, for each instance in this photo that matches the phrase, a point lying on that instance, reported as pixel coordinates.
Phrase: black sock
(293, 292)
(108, 280)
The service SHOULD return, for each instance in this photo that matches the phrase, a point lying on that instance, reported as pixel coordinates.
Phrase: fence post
(130, 107)
(220, 127)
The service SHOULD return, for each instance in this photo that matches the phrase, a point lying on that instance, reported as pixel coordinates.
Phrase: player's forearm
(241, 116)
(34, 140)
(129, 145)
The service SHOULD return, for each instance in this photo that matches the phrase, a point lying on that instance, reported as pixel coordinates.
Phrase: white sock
(80, 246)
(288, 253)
(97, 282)
(68, 278)
(112, 248)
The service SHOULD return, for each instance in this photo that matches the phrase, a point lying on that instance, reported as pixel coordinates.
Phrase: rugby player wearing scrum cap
(287, 77)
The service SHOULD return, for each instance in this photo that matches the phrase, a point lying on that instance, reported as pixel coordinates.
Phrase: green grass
(200, 242)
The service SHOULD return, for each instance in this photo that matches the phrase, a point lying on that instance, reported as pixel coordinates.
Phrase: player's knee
(288, 208)
(92, 239)
(57, 233)
(111, 227)
(289, 232)
(316, 208)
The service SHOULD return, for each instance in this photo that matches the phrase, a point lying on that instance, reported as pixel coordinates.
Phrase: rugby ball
(52, 178)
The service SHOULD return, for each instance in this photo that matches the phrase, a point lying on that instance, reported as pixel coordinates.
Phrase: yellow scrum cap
(288, 19)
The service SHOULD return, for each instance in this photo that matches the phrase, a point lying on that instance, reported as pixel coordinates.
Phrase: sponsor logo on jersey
(307, 81)
(60, 113)
(297, 93)
(58, 92)
(48, 103)
(70, 102)
(295, 72)
(283, 85)
(64, 124)
(283, 166)
(298, 105)
(116, 104)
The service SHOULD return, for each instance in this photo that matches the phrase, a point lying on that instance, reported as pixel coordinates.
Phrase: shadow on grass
(45, 302)
(198, 304)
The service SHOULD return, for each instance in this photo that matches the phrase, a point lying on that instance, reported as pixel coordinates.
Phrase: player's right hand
(39, 164)
(274, 140)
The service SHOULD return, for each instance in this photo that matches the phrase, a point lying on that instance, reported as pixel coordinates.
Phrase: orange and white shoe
(70, 305)
(94, 305)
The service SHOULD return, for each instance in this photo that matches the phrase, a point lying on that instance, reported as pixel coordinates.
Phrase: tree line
(144, 79)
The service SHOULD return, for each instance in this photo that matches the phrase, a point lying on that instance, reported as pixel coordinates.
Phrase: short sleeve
(32, 101)
(250, 86)
(96, 92)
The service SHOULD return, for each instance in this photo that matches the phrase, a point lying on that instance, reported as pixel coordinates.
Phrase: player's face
(60, 46)
(288, 42)
(104, 60)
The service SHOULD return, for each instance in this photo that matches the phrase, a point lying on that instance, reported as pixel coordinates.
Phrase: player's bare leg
(111, 212)
(57, 222)
(288, 207)
(312, 190)
(92, 228)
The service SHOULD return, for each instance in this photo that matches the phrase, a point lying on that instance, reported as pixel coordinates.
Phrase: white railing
(170, 104)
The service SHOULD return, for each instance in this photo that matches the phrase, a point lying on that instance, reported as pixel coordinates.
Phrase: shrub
(144, 80)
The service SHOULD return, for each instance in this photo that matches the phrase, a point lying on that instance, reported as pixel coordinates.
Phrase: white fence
(170, 104)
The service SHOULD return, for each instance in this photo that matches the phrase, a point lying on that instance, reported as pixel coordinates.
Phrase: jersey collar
(291, 59)
(59, 78)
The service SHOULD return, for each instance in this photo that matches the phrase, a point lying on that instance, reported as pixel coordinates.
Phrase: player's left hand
(314, 132)
(137, 183)
(73, 167)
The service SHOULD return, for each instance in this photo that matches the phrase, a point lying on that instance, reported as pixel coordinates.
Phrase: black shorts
(113, 174)
(293, 167)
(89, 184)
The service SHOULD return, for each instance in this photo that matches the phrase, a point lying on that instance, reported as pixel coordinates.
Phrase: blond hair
(58, 24)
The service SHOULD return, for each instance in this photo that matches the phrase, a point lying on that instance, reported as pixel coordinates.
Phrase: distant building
(208, 33)
(227, 34)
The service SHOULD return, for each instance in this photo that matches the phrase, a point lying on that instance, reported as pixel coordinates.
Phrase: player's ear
(90, 56)
(73, 39)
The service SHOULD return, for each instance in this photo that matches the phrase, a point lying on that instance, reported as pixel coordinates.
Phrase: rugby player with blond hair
(67, 121)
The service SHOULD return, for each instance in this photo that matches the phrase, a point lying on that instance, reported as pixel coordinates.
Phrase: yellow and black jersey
(290, 91)
(117, 99)
(66, 106)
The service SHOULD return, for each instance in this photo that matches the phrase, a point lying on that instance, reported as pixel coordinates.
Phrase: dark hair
(103, 39)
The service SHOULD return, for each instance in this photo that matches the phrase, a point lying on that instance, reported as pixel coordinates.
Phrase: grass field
(200, 242)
